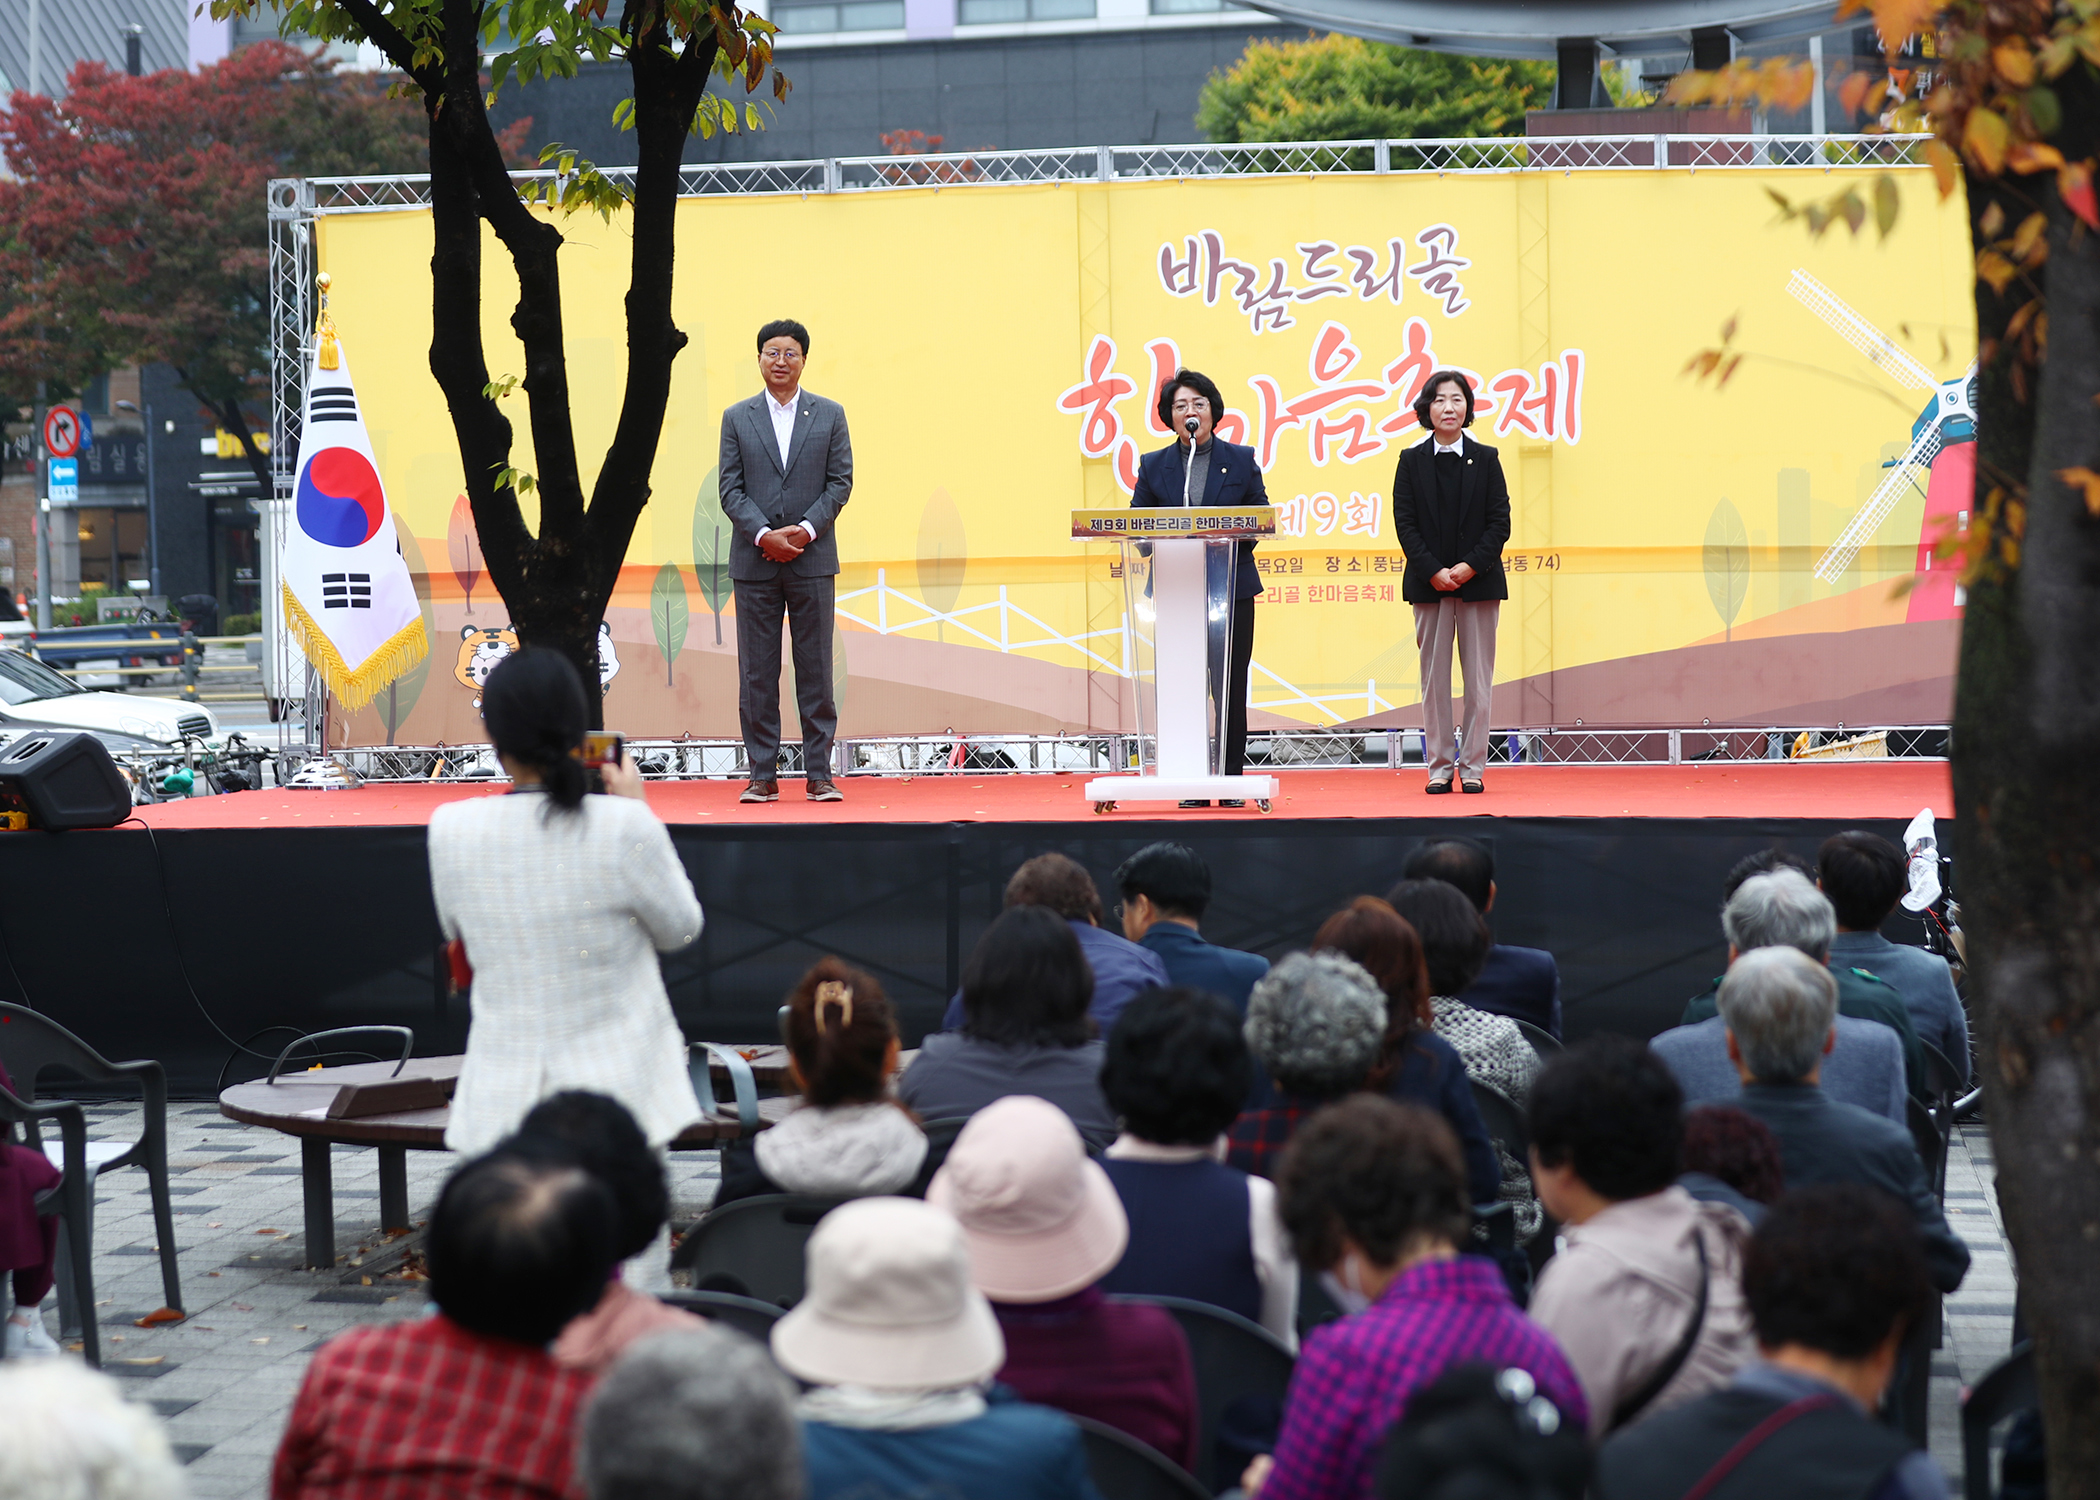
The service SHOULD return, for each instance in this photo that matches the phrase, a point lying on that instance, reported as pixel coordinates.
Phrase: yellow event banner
(1757, 554)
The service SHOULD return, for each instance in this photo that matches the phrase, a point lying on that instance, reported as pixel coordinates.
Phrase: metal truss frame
(295, 204)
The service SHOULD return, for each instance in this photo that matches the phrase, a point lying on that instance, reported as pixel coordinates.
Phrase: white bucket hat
(890, 1303)
(1040, 1219)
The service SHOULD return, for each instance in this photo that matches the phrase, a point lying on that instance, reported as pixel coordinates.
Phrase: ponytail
(840, 1028)
(534, 708)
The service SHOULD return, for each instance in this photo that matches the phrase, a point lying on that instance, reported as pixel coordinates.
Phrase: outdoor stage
(312, 909)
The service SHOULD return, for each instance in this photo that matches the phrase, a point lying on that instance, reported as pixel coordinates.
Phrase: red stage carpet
(1782, 789)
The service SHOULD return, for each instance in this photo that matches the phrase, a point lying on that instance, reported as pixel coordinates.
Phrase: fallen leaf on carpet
(258, 1341)
(161, 1315)
(298, 1328)
(364, 1281)
(243, 1307)
(269, 1231)
(148, 1359)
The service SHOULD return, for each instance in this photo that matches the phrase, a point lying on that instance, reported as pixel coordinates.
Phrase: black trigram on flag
(346, 591)
(333, 403)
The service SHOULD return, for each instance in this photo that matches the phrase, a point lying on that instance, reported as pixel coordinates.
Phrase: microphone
(1192, 424)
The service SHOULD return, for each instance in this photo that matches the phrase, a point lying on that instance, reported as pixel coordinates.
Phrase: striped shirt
(1356, 1376)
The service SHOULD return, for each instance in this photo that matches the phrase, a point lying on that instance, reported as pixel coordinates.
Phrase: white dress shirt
(1457, 445)
(1274, 1265)
(783, 415)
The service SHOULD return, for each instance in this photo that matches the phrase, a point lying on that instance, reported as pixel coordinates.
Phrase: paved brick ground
(224, 1379)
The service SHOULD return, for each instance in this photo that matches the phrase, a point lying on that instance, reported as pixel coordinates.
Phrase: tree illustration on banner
(711, 533)
(465, 549)
(668, 613)
(943, 555)
(1727, 560)
(399, 699)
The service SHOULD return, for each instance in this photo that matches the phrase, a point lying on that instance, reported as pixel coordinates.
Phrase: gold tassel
(407, 646)
(330, 356)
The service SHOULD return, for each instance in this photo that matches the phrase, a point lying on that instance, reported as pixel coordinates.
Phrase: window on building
(1192, 7)
(1006, 12)
(94, 396)
(800, 18)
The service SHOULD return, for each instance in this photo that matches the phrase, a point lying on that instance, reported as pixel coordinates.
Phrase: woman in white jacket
(563, 902)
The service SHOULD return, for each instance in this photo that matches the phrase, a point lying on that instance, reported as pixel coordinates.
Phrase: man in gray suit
(787, 470)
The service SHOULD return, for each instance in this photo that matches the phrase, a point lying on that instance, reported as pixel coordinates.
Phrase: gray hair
(1780, 910)
(1779, 1004)
(1316, 1021)
(699, 1414)
(71, 1436)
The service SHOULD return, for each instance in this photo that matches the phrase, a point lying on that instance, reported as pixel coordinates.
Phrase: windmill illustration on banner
(1942, 449)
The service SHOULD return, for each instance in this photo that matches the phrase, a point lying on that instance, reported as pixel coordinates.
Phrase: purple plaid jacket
(1356, 1376)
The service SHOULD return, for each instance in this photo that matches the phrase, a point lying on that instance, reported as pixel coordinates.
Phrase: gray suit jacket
(1865, 1068)
(758, 492)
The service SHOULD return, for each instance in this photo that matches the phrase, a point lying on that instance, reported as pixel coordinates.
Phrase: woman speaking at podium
(1201, 470)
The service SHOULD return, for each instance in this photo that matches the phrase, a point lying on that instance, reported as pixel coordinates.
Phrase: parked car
(32, 696)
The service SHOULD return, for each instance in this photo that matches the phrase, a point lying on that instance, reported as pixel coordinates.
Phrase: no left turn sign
(62, 432)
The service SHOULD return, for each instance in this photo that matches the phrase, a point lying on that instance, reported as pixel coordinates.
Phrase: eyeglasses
(788, 356)
(1185, 408)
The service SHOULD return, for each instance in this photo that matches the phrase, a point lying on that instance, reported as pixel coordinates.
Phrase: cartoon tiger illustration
(481, 650)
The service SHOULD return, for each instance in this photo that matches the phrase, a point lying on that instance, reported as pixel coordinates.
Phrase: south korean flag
(348, 598)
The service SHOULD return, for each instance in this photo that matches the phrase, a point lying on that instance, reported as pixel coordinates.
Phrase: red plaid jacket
(428, 1411)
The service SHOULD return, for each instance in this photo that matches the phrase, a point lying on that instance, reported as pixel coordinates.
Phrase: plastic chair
(1543, 1042)
(755, 1244)
(1503, 1120)
(2006, 1390)
(72, 1198)
(1125, 1469)
(1237, 1362)
(940, 1136)
(30, 1044)
(747, 1315)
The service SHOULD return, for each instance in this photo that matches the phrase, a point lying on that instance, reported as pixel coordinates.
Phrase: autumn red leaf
(2074, 184)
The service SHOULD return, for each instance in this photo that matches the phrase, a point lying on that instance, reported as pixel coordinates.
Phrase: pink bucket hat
(1041, 1220)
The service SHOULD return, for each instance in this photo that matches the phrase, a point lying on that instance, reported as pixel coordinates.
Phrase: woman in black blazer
(1451, 508)
(1230, 477)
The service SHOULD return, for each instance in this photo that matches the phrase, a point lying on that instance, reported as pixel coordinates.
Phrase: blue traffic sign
(64, 488)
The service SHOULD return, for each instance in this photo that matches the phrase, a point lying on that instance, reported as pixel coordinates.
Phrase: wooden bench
(397, 1108)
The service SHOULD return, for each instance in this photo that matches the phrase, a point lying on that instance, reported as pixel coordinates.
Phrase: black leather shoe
(1474, 784)
(1195, 802)
(1438, 787)
(1232, 802)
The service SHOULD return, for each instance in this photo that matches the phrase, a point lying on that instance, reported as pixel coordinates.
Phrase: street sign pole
(43, 517)
(152, 510)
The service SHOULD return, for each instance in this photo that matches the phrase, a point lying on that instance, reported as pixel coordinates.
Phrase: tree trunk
(2027, 721)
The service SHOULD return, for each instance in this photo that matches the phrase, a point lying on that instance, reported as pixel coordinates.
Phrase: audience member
(1479, 1433)
(1645, 1294)
(1731, 1158)
(900, 1347)
(1864, 875)
(1374, 1196)
(1779, 913)
(1176, 1075)
(28, 1242)
(1778, 1005)
(469, 1395)
(848, 1138)
(1415, 1065)
(568, 990)
(1865, 1067)
(71, 1435)
(1315, 1024)
(1834, 1279)
(597, 1134)
(1521, 983)
(1043, 1226)
(1121, 968)
(1455, 940)
(1025, 1029)
(697, 1415)
(1165, 889)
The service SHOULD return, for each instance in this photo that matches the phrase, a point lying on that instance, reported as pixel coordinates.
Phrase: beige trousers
(1471, 628)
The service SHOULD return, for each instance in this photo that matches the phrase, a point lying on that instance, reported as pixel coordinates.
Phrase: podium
(1179, 567)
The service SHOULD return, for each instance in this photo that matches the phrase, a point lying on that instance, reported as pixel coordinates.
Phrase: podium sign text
(1144, 523)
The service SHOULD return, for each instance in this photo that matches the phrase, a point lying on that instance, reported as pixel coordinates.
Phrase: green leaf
(711, 534)
(1887, 203)
(2044, 109)
(668, 613)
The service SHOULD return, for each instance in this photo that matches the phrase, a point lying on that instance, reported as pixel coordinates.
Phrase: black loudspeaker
(64, 779)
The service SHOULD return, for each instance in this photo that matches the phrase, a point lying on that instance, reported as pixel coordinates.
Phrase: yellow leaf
(2034, 156)
(2015, 64)
(1985, 140)
(2031, 229)
(1992, 221)
(1900, 20)
(1946, 167)
(2085, 479)
(1994, 269)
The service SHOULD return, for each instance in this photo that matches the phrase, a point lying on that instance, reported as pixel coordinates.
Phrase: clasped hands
(783, 544)
(1450, 580)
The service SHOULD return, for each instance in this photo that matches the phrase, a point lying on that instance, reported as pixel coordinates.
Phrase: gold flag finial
(330, 357)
